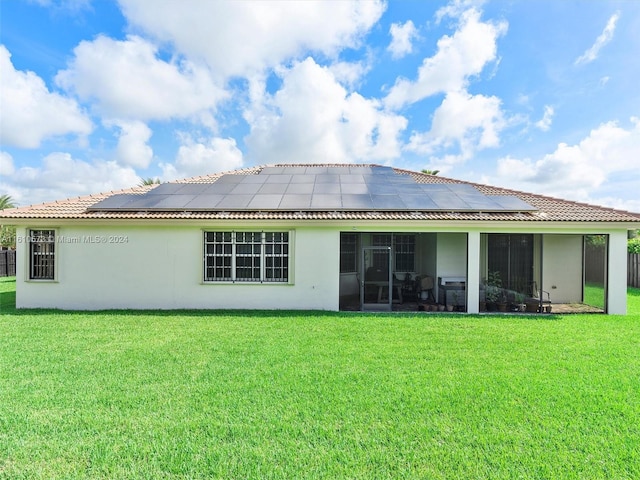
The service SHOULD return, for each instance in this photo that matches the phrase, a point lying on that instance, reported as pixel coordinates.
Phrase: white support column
(473, 272)
(617, 274)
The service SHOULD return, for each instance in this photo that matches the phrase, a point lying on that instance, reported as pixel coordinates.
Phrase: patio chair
(540, 300)
(426, 285)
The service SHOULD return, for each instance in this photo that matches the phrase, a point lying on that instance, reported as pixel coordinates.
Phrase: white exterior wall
(451, 256)
(473, 272)
(617, 276)
(562, 267)
(162, 267)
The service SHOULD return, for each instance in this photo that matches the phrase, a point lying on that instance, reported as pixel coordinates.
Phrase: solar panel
(172, 202)
(388, 202)
(327, 188)
(114, 202)
(273, 188)
(324, 202)
(254, 178)
(351, 178)
(204, 202)
(357, 202)
(433, 187)
(230, 178)
(166, 188)
(294, 170)
(382, 189)
(219, 188)
(480, 202)
(354, 188)
(303, 178)
(144, 201)
(327, 178)
(300, 188)
(360, 170)
(279, 178)
(315, 188)
(419, 202)
(409, 189)
(234, 202)
(369, 179)
(265, 202)
(191, 188)
(449, 201)
(295, 202)
(512, 203)
(246, 189)
(403, 179)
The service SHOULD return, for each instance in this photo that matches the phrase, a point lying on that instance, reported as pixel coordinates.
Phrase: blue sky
(538, 96)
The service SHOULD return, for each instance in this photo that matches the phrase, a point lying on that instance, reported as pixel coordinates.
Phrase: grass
(317, 395)
(594, 294)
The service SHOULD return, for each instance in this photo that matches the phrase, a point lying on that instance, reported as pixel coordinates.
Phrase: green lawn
(594, 295)
(317, 395)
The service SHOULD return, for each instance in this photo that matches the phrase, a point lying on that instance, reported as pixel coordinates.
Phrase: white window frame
(236, 239)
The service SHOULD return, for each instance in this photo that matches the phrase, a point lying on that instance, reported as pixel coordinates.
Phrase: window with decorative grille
(246, 257)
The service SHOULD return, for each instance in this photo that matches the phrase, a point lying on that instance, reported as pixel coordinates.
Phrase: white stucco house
(325, 237)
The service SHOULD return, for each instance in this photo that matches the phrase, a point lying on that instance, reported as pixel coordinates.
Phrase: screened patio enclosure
(401, 271)
(518, 272)
(543, 272)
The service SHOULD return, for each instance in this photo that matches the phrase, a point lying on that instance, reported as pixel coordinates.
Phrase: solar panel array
(299, 188)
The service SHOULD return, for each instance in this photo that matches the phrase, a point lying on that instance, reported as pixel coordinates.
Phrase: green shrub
(633, 245)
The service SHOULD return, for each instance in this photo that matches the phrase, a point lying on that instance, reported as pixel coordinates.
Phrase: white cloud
(242, 38)
(456, 8)
(127, 80)
(349, 73)
(61, 176)
(132, 146)
(201, 158)
(463, 121)
(312, 118)
(459, 56)
(545, 122)
(6, 164)
(605, 37)
(71, 6)
(30, 112)
(402, 36)
(577, 171)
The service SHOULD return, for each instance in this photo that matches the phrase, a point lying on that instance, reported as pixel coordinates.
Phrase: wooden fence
(7, 263)
(594, 264)
(633, 270)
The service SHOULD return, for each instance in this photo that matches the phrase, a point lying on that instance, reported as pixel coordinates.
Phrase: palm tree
(148, 181)
(6, 202)
(7, 233)
(431, 172)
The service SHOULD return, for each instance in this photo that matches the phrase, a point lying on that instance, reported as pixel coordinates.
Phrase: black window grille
(42, 254)
(246, 257)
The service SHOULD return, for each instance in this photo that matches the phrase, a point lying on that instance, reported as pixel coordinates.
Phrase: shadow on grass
(7, 307)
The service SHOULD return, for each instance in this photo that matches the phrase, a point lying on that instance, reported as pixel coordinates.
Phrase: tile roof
(549, 209)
